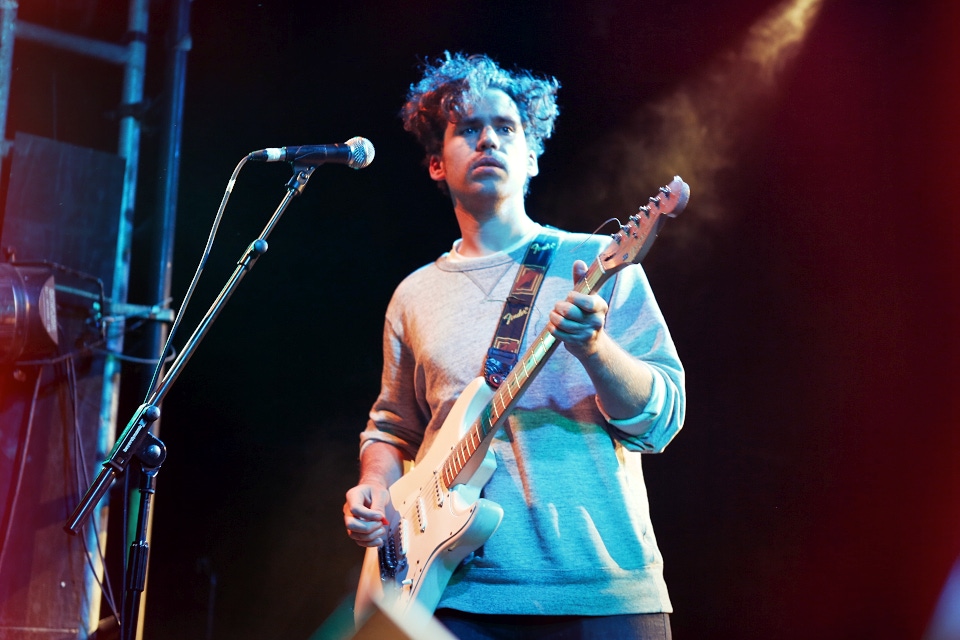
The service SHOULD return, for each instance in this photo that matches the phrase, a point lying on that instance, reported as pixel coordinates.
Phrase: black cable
(196, 276)
(83, 479)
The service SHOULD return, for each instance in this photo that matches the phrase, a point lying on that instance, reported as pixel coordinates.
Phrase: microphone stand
(137, 443)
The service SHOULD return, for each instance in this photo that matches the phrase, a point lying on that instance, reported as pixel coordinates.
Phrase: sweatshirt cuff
(651, 411)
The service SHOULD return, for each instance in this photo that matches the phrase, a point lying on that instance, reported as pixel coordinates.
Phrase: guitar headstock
(635, 238)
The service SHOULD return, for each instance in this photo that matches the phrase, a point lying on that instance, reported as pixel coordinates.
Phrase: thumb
(378, 500)
(579, 270)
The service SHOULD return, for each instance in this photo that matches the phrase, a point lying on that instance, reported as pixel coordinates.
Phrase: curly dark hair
(451, 82)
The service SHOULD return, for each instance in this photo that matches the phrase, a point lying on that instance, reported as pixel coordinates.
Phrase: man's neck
(491, 231)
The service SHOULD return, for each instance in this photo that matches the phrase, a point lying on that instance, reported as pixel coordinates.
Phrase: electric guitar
(440, 517)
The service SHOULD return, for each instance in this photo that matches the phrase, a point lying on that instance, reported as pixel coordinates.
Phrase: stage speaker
(60, 223)
(416, 623)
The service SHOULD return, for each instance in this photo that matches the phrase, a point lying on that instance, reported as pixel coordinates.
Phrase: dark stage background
(811, 287)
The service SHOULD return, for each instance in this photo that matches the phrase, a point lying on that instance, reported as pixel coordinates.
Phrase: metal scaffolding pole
(8, 20)
(132, 56)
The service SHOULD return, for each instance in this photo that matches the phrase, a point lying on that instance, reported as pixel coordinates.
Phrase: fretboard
(505, 399)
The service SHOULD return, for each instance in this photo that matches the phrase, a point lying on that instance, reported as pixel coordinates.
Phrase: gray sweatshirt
(576, 536)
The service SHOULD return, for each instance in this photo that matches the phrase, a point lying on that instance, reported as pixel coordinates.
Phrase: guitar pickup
(441, 492)
(422, 514)
(403, 534)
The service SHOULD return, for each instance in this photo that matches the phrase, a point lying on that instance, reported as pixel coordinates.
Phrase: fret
(483, 421)
(529, 365)
(503, 404)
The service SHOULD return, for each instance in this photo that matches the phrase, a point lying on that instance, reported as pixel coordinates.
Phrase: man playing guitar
(574, 551)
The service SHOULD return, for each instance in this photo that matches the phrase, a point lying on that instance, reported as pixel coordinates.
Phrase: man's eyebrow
(496, 119)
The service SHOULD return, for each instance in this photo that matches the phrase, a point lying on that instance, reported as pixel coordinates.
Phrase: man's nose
(488, 138)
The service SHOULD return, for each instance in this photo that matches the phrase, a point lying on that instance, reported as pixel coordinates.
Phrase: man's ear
(435, 167)
(533, 167)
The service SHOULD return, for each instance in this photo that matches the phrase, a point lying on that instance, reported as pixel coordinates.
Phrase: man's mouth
(489, 161)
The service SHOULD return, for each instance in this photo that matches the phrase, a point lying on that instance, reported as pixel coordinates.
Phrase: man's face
(485, 154)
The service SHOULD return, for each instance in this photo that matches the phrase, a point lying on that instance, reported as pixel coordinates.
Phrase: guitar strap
(503, 352)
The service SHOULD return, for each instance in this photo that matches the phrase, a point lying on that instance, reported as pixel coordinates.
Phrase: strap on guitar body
(505, 347)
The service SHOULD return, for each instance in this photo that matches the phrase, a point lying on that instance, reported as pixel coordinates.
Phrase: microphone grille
(361, 152)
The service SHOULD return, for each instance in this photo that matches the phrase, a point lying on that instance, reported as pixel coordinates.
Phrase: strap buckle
(498, 365)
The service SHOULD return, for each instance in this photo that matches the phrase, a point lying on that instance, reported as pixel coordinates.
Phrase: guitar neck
(508, 394)
(531, 362)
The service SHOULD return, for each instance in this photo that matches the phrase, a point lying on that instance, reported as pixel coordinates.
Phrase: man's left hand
(578, 320)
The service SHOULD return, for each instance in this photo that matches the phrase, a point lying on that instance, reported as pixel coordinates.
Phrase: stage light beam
(705, 120)
(775, 39)
(696, 130)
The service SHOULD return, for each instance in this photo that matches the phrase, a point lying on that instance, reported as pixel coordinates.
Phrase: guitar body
(435, 528)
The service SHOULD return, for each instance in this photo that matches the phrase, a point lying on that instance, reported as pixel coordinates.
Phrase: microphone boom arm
(136, 441)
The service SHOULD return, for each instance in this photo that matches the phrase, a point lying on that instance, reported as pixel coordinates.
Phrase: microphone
(356, 153)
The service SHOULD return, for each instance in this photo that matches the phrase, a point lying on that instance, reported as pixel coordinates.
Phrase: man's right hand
(365, 514)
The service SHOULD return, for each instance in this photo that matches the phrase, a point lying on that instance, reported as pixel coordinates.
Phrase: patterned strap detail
(503, 352)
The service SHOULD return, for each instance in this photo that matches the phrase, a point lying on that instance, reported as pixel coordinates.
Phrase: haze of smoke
(696, 132)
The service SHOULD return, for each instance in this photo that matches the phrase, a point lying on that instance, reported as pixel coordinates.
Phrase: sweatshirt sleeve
(636, 322)
(396, 416)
